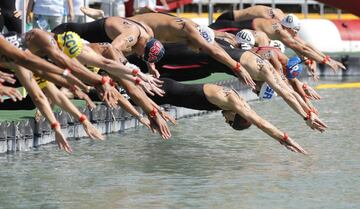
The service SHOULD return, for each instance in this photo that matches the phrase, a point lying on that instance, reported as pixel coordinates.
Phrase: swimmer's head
(278, 44)
(70, 43)
(245, 39)
(235, 120)
(293, 68)
(207, 33)
(154, 51)
(291, 23)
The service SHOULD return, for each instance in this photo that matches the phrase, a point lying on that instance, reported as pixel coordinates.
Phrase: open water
(205, 165)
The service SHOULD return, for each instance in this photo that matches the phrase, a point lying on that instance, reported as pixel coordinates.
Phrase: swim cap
(207, 33)
(291, 21)
(246, 39)
(266, 92)
(154, 51)
(240, 123)
(293, 68)
(278, 44)
(70, 43)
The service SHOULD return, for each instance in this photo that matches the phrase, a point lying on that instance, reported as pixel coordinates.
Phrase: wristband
(66, 72)
(135, 72)
(237, 68)
(309, 61)
(308, 115)
(104, 80)
(72, 89)
(112, 82)
(55, 125)
(82, 118)
(285, 137)
(153, 112)
(137, 81)
(326, 59)
(305, 86)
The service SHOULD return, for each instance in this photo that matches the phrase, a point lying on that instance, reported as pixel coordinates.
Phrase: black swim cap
(154, 51)
(240, 123)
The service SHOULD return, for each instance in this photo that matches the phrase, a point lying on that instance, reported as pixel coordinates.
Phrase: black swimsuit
(232, 26)
(181, 63)
(184, 95)
(93, 32)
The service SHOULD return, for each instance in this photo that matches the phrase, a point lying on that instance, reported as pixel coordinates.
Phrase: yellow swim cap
(70, 43)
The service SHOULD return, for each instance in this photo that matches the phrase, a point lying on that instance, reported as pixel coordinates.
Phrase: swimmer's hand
(91, 131)
(151, 79)
(151, 89)
(335, 65)
(13, 93)
(81, 95)
(145, 121)
(315, 123)
(158, 124)
(108, 94)
(152, 70)
(292, 145)
(6, 77)
(167, 117)
(245, 77)
(61, 141)
(311, 93)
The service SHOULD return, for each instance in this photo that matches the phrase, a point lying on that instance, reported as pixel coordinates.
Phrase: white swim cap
(246, 39)
(292, 22)
(207, 33)
(278, 44)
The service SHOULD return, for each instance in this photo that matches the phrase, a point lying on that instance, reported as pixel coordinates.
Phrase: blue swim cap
(154, 51)
(293, 68)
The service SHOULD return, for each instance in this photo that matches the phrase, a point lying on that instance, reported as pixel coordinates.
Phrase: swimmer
(291, 69)
(102, 84)
(175, 29)
(238, 114)
(172, 29)
(257, 11)
(125, 35)
(286, 31)
(194, 65)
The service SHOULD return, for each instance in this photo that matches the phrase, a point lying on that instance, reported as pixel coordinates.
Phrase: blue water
(205, 165)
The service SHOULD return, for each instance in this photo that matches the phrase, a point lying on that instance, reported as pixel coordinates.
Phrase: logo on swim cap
(278, 44)
(240, 123)
(207, 33)
(246, 39)
(70, 43)
(154, 51)
(293, 68)
(292, 22)
(266, 92)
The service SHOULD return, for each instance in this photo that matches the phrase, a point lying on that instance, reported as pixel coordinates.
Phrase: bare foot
(93, 13)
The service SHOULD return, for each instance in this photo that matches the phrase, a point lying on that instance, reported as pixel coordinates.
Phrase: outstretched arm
(228, 99)
(42, 104)
(218, 53)
(62, 101)
(274, 80)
